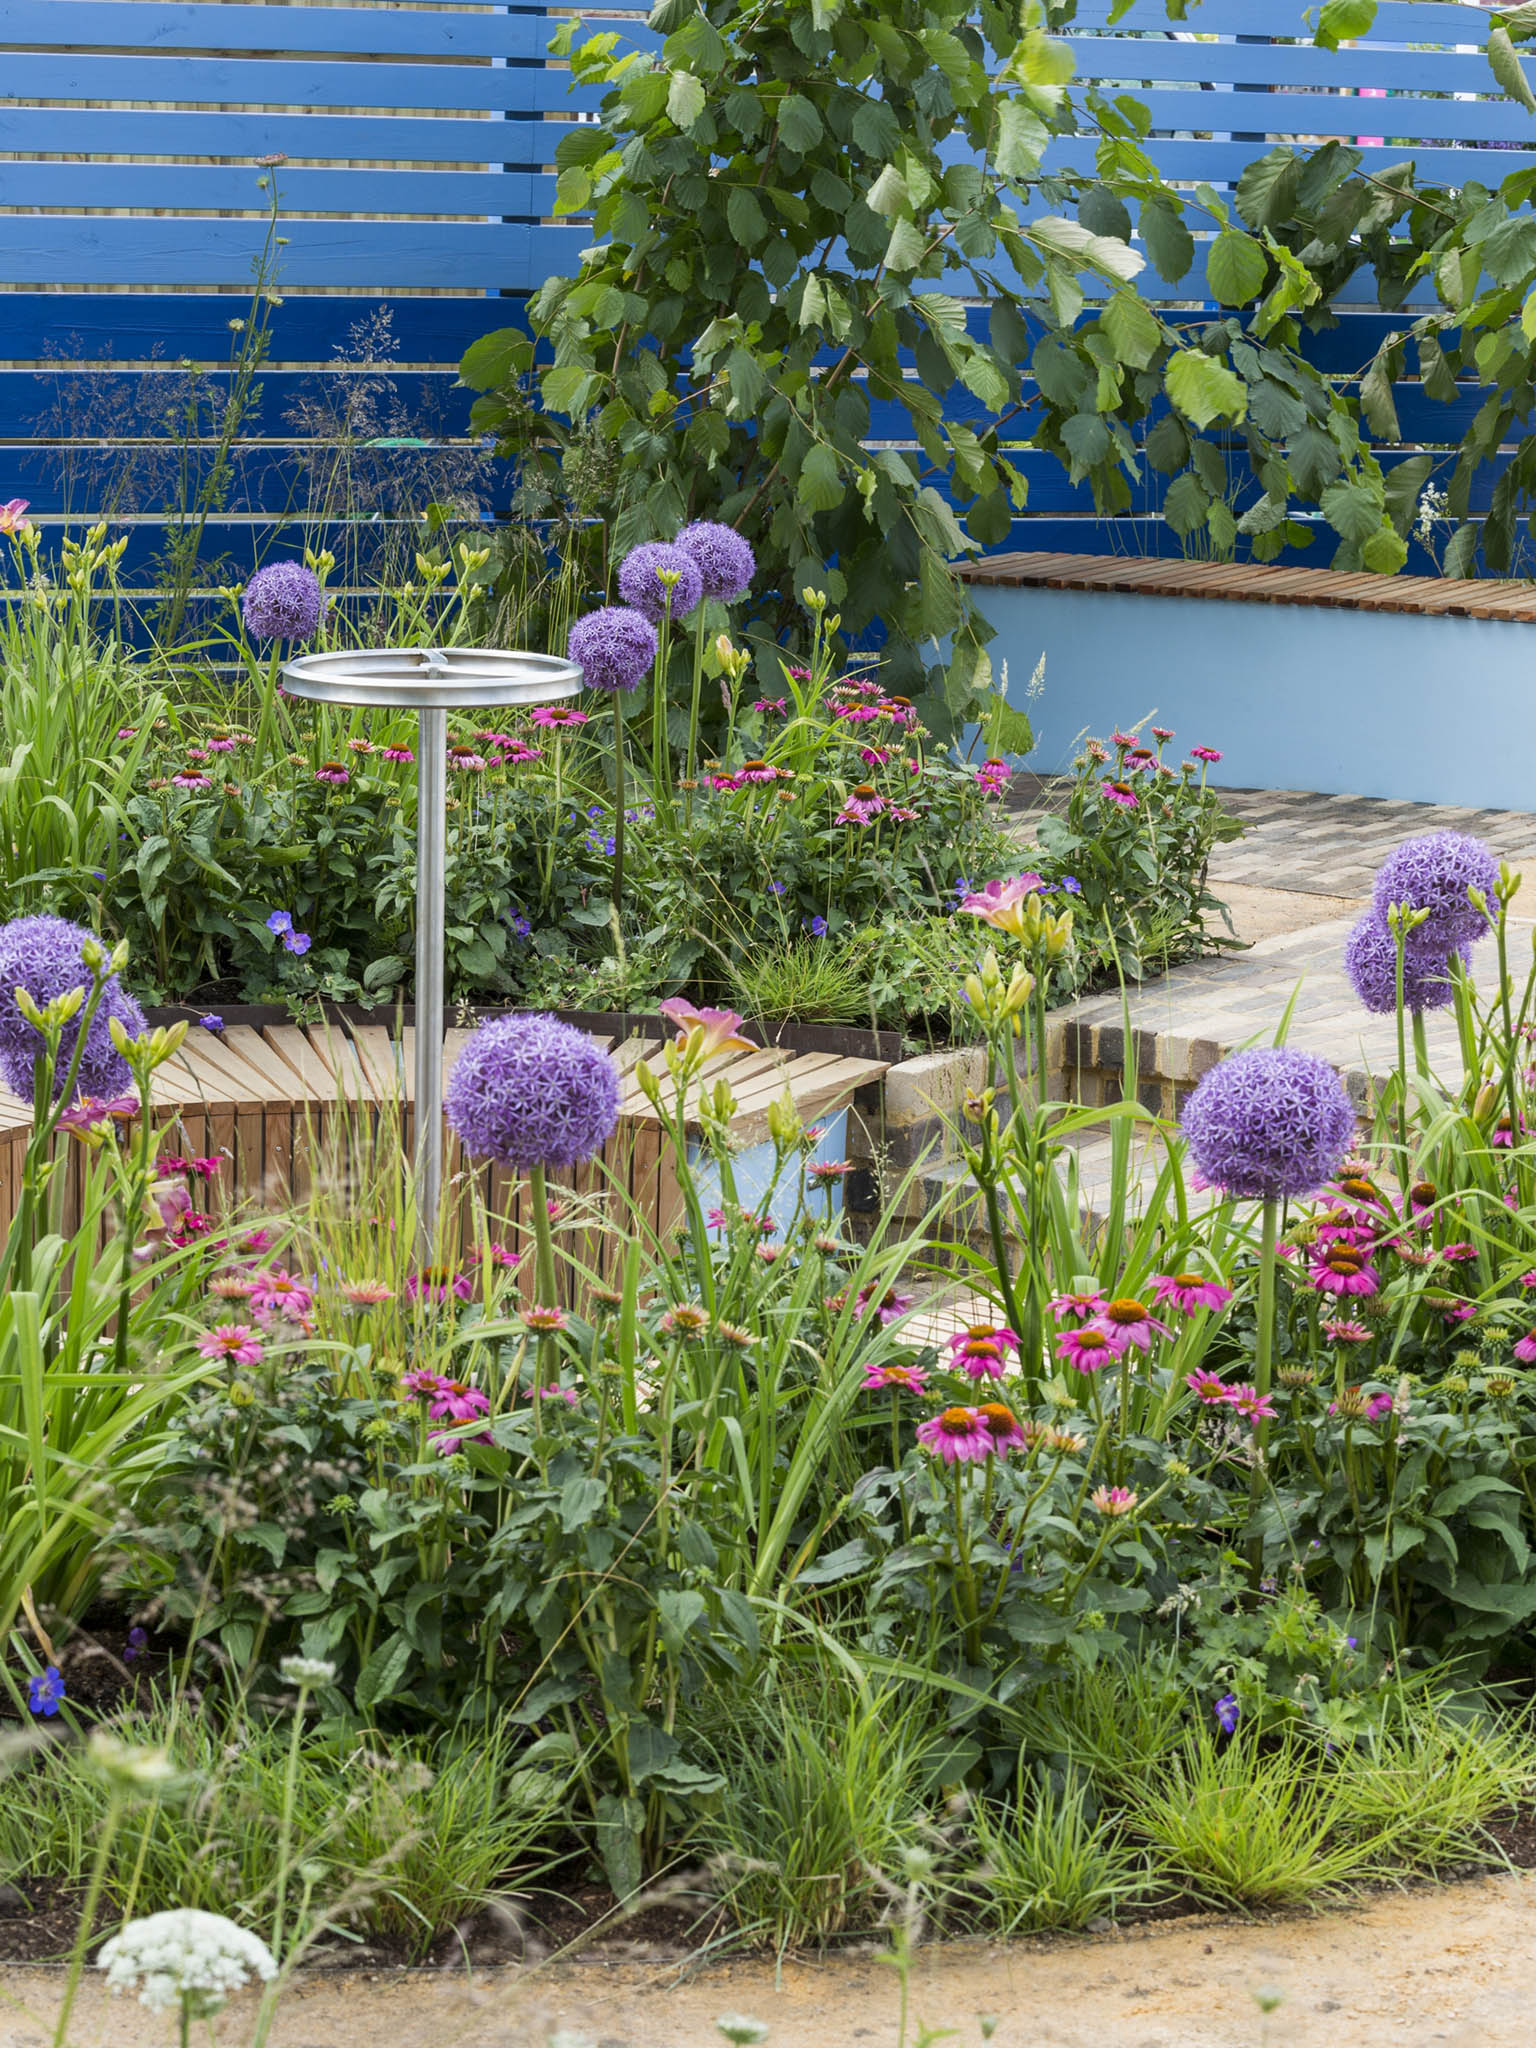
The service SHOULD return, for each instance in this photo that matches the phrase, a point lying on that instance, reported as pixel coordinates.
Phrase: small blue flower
(817, 927)
(280, 921)
(1226, 1711)
(212, 1022)
(1351, 1643)
(296, 942)
(137, 1644)
(45, 1691)
(1072, 885)
(520, 925)
(777, 888)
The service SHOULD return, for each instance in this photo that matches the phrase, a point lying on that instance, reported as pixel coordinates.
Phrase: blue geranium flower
(45, 1690)
(1227, 1710)
(280, 921)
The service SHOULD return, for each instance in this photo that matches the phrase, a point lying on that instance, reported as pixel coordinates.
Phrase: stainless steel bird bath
(431, 681)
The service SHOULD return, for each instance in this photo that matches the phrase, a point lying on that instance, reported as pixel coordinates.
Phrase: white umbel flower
(185, 1955)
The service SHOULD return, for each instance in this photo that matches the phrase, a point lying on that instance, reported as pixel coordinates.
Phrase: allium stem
(693, 707)
(545, 1284)
(1263, 1362)
(618, 818)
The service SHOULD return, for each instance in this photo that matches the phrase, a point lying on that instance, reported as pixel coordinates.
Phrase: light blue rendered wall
(1295, 696)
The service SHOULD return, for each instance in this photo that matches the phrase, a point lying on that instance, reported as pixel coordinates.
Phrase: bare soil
(1426, 1968)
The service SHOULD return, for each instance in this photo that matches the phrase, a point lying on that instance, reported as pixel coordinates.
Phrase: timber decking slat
(1258, 583)
(317, 1082)
(280, 1078)
(335, 1049)
(374, 1045)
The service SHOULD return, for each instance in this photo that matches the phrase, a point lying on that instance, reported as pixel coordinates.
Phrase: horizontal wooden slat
(382, 139)
(370, 31)
(226, 187)
(279, 82)
(93, 326)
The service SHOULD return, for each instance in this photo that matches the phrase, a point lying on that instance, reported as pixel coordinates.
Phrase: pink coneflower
(422, 1383)
(366, 1293)
(1002, 1427)
(1342, 1270)
(982, 1351)
(1119, 793)
(828, 1171)
(769, 1254)
(1162, 733)
(1127, 1319)
(232, 1286)
(957, 1435)
(1458, 1254)
(1346, 1332)
(497, 1255)
(1345, 1226)
(1253, 1406)
(905, 1379)
(1189, 1291)
(465, 761)
(333, 772)
(1502, 1132)
(860, 810)
(1090, 1349)
(439, 1283)
(1207, 1386)
(887, 1307)
(257, 1241)
(360, 746)
(875, 757)
(553, 719)
(993, 777)
(517, 751)
(234, 1343)
(282, 1293)
(1209, 754)
(545, 1320)
(1112, 1500)
(191, 778)
(402, 755)
(1457, 1311)
(1525, 1348)
(127, 732)
(1377, 1407)
(1124, 739)
(568, 1395)
(1083, 1307)
(1422, 1195)
(685, 1319)
(197, 754)
(771, 707)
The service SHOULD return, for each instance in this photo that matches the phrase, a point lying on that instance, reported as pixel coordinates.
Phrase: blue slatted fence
(420, 145)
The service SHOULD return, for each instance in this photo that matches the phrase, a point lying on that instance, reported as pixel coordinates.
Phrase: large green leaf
(1203, 389)
(1236, 267)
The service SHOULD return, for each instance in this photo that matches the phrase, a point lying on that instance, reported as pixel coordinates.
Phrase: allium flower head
(641, 582)
(1434, 873)
(725, 562)
(530, 1091)
(44, 956)
(1269, 1122)
(185, 1958)
(614, 647)
(284, 601)
(1370, 961)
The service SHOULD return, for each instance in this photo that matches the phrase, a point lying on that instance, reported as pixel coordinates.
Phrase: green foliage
(403, 1839)
(875, 173)
(1049, 1863)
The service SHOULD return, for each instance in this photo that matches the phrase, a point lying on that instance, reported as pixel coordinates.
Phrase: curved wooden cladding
(1254, 583)
(285, 1105)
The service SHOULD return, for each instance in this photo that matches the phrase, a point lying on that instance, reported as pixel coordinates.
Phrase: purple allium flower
(1227, 1710)
(725, 561)
(44, 1691)
(1434, 873)
(530, 1091)
(43, 956)
(282, 602)
(614, 647)
(1269, 1122)
(1370, 961)
(640, 582)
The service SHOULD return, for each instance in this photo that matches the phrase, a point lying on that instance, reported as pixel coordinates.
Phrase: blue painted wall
(1435, 710)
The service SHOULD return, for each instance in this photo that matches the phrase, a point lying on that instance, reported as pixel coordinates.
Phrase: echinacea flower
(1090, 1348)
(1207, 754)
(888, 1304)
(45, 1689)
(1346, 1331)
(1119, 793)
(402, 756)
(233, 1286)
(1189, 1291)
(366, 1293)
(1269, 1123)
(234, 1343)
(1130, 1322)
(982, 1351)
(1343, 1269)
(1002, 1426)
(1378, 1407)
(905, 1379)
(1525, 1348)
(1113, 1500)
(956, 1435)
(544, 1320)
(685, 1319)
(439, 1284)
(1207, 1386)
(1253, 1406)
(191, 778)
(1082, 1307)
(555, 718)
(333, 772)
(284, 1293)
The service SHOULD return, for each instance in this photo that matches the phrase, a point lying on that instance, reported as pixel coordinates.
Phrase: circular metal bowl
(431, 678)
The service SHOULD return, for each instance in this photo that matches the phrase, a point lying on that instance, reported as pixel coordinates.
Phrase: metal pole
(431, 891)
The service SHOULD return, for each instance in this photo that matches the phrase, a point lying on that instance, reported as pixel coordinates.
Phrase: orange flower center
(1360, 1190)
(956, 1422)
(1126, 1311)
